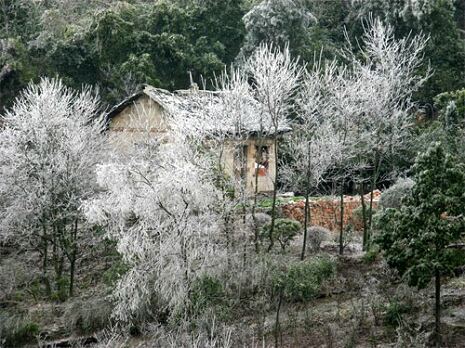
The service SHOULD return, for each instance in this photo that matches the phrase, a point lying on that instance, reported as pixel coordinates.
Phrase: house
(152, 109)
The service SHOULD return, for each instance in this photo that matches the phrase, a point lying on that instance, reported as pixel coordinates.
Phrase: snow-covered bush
(88, 316)
(258, 220)
(317, 235)
(392, 197)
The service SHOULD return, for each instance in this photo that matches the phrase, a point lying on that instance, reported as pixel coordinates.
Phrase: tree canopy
(119, 45)
(416, 236)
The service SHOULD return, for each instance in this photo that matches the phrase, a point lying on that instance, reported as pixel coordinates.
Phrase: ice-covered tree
(275, 79)
(221, 123)
(160, 206)
(440, 19)
(315, 144)
(49, 146)
(385, 71)
(278, 22)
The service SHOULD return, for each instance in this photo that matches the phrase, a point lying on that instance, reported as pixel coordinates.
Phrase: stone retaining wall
(326, 212)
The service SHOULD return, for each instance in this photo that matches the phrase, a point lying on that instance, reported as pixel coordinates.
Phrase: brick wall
(326, 212)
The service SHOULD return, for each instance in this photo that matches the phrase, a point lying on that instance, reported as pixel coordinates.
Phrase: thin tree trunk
(306, 221)
(72, 268)
(227, 216)
(364, 216)
(277, 328)
(45, 280)
(437, 311)
(370, 216)
(275, 191)
(227, 230)
(72, 258)
(257, 161)
(341, 222)
(373, 187)
(307, 217)
(58, 259)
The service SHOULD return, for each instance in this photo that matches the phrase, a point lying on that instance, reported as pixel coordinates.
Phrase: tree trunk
(222, 184)
(306, 220)
(364, 216)
(254, 206)
(45, 280)
(72, 268)
(307, 217)
(437, 311)
(277, 328)
(374, 180)
(341, 222)
(72, 259)
(58, 258)
(44, 252)
(275, 191)
(227, 230)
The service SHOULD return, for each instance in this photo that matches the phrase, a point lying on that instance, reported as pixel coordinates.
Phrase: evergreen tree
(418, 239)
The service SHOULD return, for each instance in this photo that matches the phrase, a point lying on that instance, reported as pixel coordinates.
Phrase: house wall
(142, 118)
(265, 177)
(146, 118)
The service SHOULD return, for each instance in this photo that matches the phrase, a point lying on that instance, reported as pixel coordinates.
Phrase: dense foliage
(417, 235)
(420, 238)
(118, 45)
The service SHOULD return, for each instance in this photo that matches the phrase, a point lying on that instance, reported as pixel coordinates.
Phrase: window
(262, 160)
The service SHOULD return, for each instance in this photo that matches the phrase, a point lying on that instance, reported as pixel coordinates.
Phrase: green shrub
(206, 290)
(302, 281)
(441, 101)
(265, 203)
(268, 202)
(223, 182)
(62, 290)
(357, 214)
(36, 289)
(371, 255)
(15, 330)
(115, 272)
(394, 312)
(208, 297)
(284, 231)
